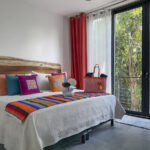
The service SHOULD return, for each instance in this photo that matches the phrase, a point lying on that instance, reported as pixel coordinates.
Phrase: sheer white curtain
(99, 43)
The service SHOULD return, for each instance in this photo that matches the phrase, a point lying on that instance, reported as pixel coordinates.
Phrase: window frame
(145, 4)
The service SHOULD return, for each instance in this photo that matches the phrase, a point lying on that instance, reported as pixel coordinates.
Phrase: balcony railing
(128, 90)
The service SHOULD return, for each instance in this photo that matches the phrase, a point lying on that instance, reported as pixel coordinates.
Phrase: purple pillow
(28, 84)
(64, 73)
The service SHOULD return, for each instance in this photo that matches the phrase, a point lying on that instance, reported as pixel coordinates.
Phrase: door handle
(146, 75)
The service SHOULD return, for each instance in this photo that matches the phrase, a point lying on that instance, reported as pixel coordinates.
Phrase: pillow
(42, 80)
(3, 85)
(12, 85)
(64, 74)
(28, 84)
(56, 82)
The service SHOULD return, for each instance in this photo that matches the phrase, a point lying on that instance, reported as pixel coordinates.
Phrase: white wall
(29, 33)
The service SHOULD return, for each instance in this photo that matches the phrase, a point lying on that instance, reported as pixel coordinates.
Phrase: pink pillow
(28, 84)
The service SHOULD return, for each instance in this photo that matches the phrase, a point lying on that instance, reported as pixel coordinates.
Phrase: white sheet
(47, 126)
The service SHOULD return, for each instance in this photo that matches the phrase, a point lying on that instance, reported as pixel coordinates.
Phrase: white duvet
(47, 126)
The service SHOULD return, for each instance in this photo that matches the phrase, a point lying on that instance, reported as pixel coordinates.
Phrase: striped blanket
(21, 109)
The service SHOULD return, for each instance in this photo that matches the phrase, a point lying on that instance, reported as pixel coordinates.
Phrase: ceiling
(68, 7)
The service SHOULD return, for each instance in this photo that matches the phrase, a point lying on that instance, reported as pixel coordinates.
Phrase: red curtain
(78, 48)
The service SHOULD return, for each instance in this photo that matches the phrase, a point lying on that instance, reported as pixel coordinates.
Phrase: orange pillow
(3, 85)
(56, 82)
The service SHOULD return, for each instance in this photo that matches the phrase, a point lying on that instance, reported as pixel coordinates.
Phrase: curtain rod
(106, 6)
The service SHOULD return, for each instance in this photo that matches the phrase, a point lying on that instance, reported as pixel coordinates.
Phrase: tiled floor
(119, 137)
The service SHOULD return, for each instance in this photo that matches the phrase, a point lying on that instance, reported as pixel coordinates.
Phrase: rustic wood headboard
(11, 65)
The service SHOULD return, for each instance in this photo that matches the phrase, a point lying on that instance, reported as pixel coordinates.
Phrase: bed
(47, 126)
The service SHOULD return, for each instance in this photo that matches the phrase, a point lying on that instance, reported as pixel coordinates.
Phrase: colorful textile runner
(21, 109)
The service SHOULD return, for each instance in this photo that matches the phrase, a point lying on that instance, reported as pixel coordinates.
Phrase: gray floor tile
(119, 137)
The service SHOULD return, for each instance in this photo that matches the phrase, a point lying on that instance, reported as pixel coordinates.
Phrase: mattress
(47, 126)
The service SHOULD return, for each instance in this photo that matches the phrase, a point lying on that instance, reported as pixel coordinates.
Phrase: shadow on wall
(65, 54)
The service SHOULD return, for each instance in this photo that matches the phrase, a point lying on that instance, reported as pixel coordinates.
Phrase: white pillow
(42, 81)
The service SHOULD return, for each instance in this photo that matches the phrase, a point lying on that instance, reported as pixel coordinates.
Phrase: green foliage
(128, 53)
(128, 36)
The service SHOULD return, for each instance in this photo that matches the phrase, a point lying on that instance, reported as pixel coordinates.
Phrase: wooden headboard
(11, 65)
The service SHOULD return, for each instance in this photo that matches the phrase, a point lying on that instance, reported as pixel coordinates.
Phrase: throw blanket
(21, 109)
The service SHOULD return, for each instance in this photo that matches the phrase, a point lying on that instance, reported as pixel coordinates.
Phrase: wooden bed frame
(11, 65)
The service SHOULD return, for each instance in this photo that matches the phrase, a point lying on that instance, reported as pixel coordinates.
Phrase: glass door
(130, 71)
